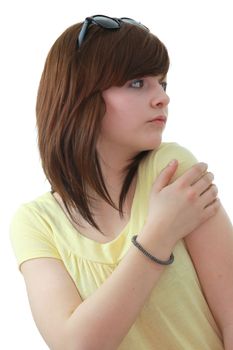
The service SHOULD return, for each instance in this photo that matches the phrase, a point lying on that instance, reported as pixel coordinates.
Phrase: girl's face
(129, 122)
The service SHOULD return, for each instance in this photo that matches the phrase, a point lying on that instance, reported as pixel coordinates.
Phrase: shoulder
(31, 234)
(170, 150)
(35, 209)
(158, 159)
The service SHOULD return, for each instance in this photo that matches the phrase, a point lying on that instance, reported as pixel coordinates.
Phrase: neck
(113, 163)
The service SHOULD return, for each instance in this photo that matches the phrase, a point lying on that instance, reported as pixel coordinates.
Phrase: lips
(161, 118)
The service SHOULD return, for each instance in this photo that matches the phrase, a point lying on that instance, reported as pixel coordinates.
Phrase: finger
(165, 176)
(211, 209)
(209, 195)
(193, 174)
(203, 183)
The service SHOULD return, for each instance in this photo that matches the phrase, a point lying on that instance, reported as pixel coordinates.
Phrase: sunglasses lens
(108, 23)
(128, 20)
(132, 21)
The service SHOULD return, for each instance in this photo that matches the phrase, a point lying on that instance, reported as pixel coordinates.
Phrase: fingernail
(205, 166)
(172, 162)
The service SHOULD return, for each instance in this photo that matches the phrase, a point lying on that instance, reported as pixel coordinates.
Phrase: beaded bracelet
(161, 262)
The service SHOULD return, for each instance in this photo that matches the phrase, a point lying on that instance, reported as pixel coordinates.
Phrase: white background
(198, 35)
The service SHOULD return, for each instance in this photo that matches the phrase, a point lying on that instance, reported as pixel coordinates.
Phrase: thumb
(165, 176)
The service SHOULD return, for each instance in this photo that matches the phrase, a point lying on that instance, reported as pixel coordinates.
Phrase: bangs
(142, 54)
(146, 55)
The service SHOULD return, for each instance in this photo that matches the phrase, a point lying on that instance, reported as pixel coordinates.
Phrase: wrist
(150, 256)
(156, 242)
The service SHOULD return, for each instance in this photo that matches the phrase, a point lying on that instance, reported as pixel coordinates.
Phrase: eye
(164, 85)
(137, 83)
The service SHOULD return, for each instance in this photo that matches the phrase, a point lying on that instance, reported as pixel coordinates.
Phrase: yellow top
(176, 316)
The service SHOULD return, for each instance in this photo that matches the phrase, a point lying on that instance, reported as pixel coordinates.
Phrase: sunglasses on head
(105, 22)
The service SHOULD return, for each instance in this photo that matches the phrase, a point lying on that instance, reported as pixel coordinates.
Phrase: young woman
(131, 249)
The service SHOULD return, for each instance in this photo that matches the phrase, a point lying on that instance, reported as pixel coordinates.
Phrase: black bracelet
(161, 262)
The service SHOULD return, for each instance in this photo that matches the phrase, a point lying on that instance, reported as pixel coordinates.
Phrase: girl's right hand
(179, 207)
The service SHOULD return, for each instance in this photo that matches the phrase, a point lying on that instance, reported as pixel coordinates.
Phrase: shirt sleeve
(173, 150)
(31, 236)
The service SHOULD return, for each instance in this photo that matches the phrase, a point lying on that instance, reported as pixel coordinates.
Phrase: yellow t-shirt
(176, 316)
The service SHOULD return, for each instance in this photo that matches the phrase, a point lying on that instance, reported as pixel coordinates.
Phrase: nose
(160, 99)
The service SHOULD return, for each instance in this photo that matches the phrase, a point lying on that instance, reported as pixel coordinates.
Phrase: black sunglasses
(106, 23)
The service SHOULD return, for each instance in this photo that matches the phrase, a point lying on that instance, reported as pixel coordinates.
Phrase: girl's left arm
(211, 249)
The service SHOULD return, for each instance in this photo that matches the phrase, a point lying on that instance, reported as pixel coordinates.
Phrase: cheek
(118, 110)
(125, 111)
(116, 124)
(113, 123)
(121, 100)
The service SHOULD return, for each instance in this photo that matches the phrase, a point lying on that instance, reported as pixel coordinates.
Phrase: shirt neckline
(92, 241)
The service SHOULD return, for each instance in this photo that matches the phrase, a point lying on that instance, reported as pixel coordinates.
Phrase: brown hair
(70, 106)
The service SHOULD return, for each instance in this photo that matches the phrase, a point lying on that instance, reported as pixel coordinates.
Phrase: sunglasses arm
(83, 31)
